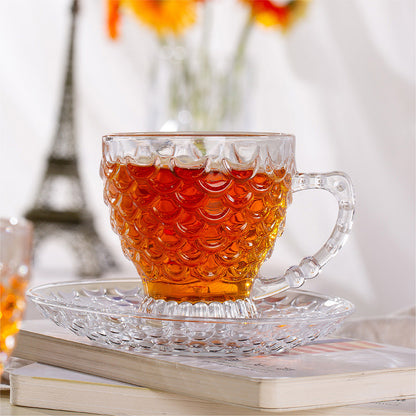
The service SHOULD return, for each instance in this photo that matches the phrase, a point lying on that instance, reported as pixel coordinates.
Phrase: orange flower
(113, 17)
(275, 13)
(164, 16)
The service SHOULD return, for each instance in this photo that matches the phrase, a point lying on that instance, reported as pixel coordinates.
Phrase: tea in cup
(199, 213)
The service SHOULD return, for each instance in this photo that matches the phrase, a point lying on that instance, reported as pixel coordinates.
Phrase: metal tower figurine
(60, 207)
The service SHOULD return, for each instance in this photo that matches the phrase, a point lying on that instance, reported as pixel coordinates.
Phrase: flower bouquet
(192, 86)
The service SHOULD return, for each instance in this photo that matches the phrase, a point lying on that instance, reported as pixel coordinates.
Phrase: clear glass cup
(199, 213)
(16, 236)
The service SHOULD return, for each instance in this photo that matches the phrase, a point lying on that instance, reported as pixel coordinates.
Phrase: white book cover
(325, 373)
(43, 386)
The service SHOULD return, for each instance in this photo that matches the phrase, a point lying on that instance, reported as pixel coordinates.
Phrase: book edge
(256, 392)
(20, 400)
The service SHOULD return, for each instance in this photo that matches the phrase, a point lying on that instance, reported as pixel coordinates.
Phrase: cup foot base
(242, 308)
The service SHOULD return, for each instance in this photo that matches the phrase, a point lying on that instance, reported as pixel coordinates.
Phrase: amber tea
(15, 262)
(198, 213)
(12, 303)
(196, 234)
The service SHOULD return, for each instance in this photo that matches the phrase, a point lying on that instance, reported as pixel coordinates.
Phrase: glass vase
(194, 92)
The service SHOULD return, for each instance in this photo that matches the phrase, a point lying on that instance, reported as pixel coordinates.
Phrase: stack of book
(329, 377)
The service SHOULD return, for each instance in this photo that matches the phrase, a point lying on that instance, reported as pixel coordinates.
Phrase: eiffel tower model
(60, 209)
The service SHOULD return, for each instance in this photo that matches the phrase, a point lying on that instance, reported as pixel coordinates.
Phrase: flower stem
(242, 42)
(231, 81)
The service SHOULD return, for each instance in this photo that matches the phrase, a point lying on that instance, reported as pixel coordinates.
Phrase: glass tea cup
(16, 236)
(199, 213)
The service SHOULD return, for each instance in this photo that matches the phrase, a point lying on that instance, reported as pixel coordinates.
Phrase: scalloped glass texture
(106, 313)
(199, 215)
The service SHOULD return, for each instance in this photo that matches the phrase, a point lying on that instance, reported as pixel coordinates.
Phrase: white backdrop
(343, 81)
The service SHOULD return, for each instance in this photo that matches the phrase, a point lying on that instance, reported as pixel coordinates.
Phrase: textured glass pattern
(107, 313)
(198, 215)
(340, 186)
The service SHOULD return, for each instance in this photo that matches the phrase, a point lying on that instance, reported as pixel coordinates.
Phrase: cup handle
(340, 185)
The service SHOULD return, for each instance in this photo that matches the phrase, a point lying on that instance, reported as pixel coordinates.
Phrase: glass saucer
(106, 312)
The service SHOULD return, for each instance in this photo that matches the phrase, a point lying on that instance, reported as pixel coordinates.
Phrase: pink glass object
(16, 237)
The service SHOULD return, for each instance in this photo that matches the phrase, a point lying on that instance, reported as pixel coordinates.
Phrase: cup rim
(199, 134)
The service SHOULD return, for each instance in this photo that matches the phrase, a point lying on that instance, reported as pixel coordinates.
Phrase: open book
(322, 374)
